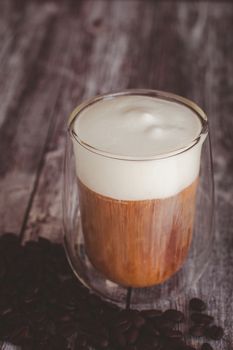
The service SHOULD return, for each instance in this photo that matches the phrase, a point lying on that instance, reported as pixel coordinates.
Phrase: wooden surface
(53, 54)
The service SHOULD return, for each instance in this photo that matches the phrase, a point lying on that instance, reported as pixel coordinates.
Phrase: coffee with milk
(137, 169)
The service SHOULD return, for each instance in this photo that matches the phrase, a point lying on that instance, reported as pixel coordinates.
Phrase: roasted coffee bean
(173, 315)
(197, 331)
(147, 346)
(124, 326)
(2, 268)
(123, 318)
(119, 338)
(151, 313)
(123, 323)
(174, 343)
(42, 305)
(197, 304)
(146, 338)
(172, 333)
(5, 310)
(82, 347)
(20, 334)
(131, 347)
(163, 324)
(9, 240)
(150, 329)
(206, 346)
(45, 244)
(214, 332)
(202, 319)
(137, 320)
(56, 343)
(81, 340)
(132, 335)
(100, 342)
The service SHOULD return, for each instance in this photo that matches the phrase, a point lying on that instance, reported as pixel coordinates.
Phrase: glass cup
(151, 248)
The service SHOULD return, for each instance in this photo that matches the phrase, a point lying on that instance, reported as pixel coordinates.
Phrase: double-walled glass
(154, 246)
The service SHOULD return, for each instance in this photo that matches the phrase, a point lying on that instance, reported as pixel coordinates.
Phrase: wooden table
(54, 54)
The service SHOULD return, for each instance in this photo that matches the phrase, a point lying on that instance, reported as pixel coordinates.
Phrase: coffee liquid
(137, 243)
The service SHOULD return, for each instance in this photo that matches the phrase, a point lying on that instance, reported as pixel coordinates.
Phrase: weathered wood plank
(55, 55)
(97, 54)
(28, 94)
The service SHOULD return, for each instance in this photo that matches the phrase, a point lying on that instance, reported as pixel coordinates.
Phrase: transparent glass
(173, 238)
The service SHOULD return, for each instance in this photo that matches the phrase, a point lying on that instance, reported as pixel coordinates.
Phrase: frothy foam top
(137, 127)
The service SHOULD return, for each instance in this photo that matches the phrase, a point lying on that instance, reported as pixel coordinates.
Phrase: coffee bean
(202, 319)
(172, 333)
(214, 332)
(131, 347)
(81, 340)
(124, 327)
(163, 324)
(138, 320)
(82, 347)
(175, 343)
(119, 338)
(150, 329)
(206, 346)
(151, 313)
(45, 244)
(197, 331)
(20, 334)
(147, 346)
(123, 318)
(132, 335)
(42, 305)
(2, 267)
(100, 342)
(173, 315)
(197, 304)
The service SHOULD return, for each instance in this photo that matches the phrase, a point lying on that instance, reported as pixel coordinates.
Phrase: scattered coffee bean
(138, 320)
(176, 343)
(173, 333)
(214, 332)
(163, 324)
(43, 306)
(124, 327)
(100, 342)
(206, 346)
(151, 313)
(132, 335)
(150, 330)
(119, 338)
(131, 347)
(174, 315)
(202, 319)
(197, 331)
(197, 304)
(122, 319)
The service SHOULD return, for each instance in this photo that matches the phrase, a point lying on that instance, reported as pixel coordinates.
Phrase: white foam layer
(137, 126)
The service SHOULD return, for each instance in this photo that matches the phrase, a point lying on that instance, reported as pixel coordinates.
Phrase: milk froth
(130, 147)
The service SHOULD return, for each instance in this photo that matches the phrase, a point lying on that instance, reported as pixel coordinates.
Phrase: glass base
(139, 298)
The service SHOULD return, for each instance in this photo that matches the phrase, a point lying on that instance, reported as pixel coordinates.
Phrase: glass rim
(167, 96)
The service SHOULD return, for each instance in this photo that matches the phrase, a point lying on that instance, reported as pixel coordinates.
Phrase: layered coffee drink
(137, 165)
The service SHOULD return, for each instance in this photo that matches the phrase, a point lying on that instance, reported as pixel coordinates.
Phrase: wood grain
(53, 54)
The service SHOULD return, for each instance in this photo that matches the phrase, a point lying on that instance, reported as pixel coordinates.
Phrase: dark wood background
(54, 54)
